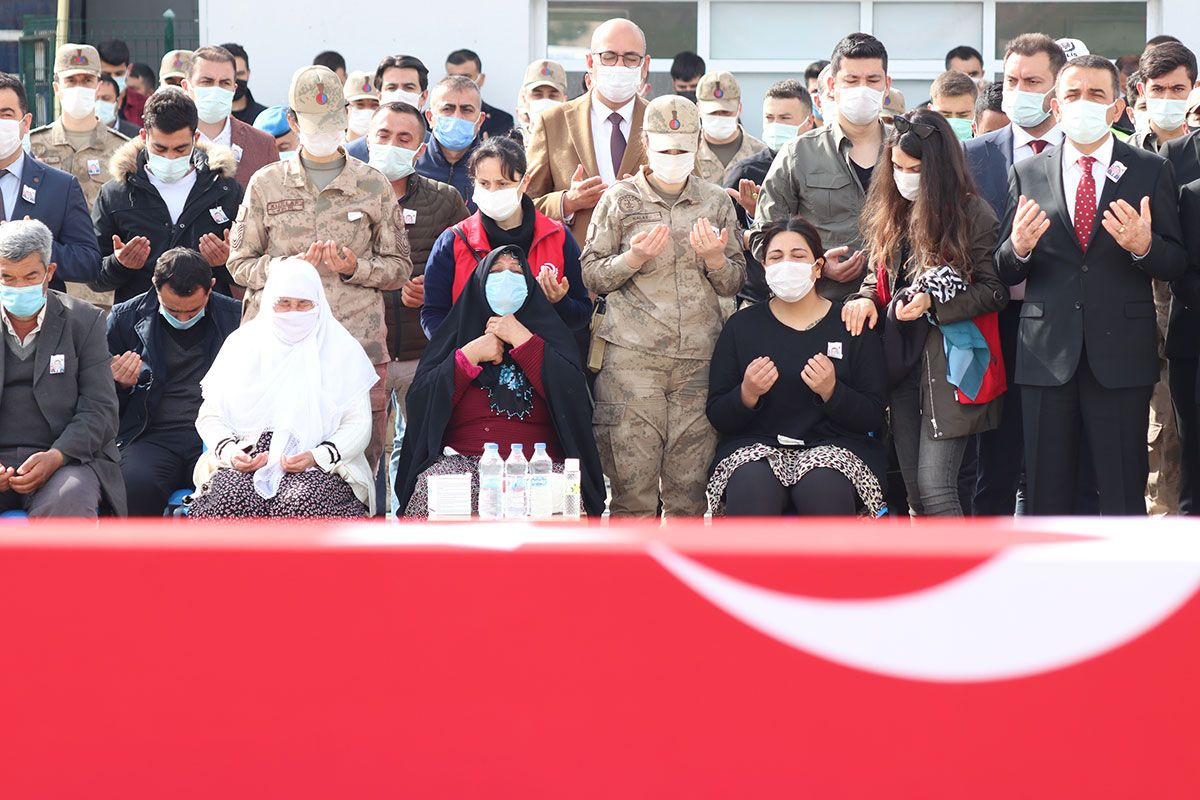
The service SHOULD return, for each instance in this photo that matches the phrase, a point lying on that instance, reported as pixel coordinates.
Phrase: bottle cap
(491, 446)
(539, 446)
(518, 447)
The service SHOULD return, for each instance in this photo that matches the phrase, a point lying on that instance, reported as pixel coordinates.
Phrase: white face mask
(10, 136)
(106, 111)
(293, 327)
(394, 162)
(790, 280)
(860, 105)
(907, 183)
(536, 107)
(213, 104)
(1141, 121)
(618, 84)
(400, 96)
(322, 144)
(359, 119)
(717, 126)
(1083, 121)
(1026, 109)
(499, 204)
(78, 101)
(671, 168)
(1166, 114)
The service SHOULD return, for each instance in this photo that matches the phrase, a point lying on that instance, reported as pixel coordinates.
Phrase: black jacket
(753, 168)
(132, 325)
(129, 206)
(1102, 301)
(1183, 329)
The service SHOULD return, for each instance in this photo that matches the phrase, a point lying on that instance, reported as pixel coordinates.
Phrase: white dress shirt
(1022, 138)
(1073, 173)
(224, 138)
(10, 185)
(602, 135)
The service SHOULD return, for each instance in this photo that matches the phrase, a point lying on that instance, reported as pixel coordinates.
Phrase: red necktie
(1038, 145)
(1085, 202)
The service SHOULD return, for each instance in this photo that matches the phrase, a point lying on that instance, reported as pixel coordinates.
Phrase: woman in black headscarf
(502, 368)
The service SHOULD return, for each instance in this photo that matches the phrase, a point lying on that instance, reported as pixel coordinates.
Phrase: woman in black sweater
(797, 400)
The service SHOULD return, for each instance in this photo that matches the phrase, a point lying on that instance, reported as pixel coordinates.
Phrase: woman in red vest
(506, 217)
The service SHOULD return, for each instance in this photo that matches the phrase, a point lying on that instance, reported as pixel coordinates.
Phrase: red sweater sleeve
(529, 357)
(464, 373)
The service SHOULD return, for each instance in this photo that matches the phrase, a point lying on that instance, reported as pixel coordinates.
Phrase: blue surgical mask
(178, 324)
(23, 301)
(169, 170)
(506, 292)
(777, 134)
(454, 133)
(963, 128)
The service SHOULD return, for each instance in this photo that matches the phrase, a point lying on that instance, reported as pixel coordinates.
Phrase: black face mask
(690, 95)
(243, 89)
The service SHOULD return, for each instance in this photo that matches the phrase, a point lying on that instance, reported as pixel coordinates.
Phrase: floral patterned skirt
(790, 465)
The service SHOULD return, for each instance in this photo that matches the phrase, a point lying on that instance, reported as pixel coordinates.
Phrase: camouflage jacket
(709, 167)
(50, 145)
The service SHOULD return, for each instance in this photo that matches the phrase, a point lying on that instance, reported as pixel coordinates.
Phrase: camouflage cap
(175, 64)
(1193, 100)
(360, 86)
(316, 97)
(718, 91)
(893, 103)
(76, 59)
(545, 72)
(672, 123)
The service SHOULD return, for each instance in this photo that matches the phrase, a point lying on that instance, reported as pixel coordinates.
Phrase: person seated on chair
(503, 367)
(794, 397)
(58, 408)
(164, 341)
(286, 415)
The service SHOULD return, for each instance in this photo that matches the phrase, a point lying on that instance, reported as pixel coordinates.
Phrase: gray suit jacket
(80, 402)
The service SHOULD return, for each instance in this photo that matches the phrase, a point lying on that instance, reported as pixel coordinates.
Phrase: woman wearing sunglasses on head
(931, 238)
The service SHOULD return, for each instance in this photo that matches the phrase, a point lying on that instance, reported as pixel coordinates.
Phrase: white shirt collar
(1022, 137)
(603, 112)
(8, 326)
(1103, 154)
(225, 137)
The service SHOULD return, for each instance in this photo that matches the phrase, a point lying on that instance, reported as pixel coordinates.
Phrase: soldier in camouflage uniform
(337, 213)
(725, 141)
(663, 247)
(77, 142)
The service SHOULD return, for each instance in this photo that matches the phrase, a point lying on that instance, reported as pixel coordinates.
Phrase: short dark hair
(964, 53)
(331, 59)
(109, 79)
(990, 99)
(1030, 44)
(790, 89)
(813, 70)
(858, 45)
(1167, 57)
(13, 82)
(237, 51)
(184, 270)
(511, 155)
(402, 62)
(1131, 90)
(402, 108)
(460, 57)
(796, 224)
(113, 51)
(1101, 63)
(169, 110)
(1162, 38)
(212, 53)
(143, 72)
(687, 66)
(953, 83)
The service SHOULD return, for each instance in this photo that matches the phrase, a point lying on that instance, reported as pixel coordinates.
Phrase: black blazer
(1184, 155)
(989, 157)
(1183, 329)
(1103, 301)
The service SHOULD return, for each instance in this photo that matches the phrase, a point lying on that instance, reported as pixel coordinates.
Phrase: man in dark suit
(29, 188)
(1092, 222)
(58, 406)
(1032, 62)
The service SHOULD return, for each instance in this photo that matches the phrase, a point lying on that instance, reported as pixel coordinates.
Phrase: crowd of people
(984, 304)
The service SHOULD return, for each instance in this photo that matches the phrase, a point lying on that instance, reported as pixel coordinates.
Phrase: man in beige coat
(579, 149)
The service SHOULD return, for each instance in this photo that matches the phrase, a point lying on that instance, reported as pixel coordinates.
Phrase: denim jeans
(929, 466)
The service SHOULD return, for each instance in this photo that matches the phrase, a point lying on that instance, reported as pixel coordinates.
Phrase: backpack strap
(463, 236)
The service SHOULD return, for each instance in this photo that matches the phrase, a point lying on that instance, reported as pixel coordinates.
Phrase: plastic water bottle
(541, 490)
(516, 484)
(572, 499)
(491, 482)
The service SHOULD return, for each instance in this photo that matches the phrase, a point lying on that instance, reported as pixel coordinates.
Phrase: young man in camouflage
(725, 141)
(663, 247)
(337, 213)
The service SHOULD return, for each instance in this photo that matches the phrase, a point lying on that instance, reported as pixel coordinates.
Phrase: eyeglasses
(609, 58)
(922, 129)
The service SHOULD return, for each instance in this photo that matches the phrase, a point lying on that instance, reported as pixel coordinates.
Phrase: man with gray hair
(58, 405)
(455, 116)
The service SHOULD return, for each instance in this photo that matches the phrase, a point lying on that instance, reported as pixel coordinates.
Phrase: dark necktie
(616, 144)
(1038, 146)
(1085, 202)
(3, 210)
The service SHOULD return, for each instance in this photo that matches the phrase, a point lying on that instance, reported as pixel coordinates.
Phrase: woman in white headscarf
(286, 415)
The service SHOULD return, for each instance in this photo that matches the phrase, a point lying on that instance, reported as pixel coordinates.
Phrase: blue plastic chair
(177, 503)
(14, 514)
